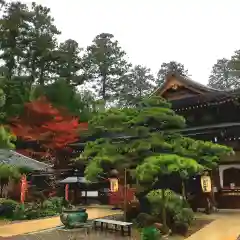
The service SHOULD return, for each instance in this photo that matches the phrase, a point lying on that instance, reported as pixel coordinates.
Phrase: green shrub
(144, 219)
(13, 210)
(57, 202)
(186, 216)
(19, 213)
(177, 208)
(54, 204)
(34, 211)
(7, 207)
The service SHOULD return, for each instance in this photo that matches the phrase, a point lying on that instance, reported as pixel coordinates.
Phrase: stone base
(74, 234)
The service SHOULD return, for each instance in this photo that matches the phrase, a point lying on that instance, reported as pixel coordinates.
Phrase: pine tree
(70, 63)
(153, 149)
(105, 64)
(221, 76)
(138, 83)
(172, 67)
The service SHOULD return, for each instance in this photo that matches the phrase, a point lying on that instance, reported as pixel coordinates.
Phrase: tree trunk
(164, 215)
(183, 190)
(104, 94)
(41, 77)
(33, 72)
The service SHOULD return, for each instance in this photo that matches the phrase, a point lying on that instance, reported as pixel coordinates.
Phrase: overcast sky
(193, 32)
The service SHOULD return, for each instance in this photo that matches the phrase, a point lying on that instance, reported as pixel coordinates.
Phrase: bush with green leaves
(177, 208)
(15, 211)
(7, 208)
(50, 207)
(7, 171)
(184, 216)
(54, 203)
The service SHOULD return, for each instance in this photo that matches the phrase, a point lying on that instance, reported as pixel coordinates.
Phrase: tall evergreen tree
(221, 76)
(170, 67)
(13, 30)
(41, 55)
(65, 96)
(138, 83)
(105, 63)
(70, 63)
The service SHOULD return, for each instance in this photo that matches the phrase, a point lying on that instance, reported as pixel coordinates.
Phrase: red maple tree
(52, 129)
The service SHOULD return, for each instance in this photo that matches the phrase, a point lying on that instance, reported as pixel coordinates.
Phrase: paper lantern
(113, 184)
(206, 184)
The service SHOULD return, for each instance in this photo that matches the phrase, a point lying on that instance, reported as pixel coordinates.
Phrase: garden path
(225, 227)
(25, 227)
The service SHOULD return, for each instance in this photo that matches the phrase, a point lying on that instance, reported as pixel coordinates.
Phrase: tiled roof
(19, 160)
(74, 179)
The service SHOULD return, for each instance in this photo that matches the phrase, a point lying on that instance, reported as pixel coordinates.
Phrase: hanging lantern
(206, 184)
(113, 184)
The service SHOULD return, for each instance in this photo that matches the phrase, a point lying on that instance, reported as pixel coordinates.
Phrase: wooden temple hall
(211, 115)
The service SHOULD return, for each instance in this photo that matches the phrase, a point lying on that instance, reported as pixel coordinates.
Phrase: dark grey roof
(191, 82)
(74, 179)
(19, 160)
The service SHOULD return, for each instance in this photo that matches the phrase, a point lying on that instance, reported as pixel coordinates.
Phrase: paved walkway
(225, 227)
(24, 227)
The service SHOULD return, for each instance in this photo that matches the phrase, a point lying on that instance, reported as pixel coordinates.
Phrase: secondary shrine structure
(211, 115)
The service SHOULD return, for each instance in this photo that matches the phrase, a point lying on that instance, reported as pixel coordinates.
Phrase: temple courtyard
(225, 226)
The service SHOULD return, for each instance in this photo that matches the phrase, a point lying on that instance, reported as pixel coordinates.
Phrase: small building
(10, 157)
(83, 191)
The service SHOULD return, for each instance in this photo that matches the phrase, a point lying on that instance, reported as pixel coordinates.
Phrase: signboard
(230, 192)
(113, 184)
(206, 184)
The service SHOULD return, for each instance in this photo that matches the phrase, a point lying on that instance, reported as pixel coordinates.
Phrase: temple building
(211, 115)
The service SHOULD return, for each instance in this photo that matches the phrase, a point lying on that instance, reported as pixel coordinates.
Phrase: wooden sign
(231, 194)
(206, 184)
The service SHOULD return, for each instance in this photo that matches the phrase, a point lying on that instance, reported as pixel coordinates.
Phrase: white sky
(193, 32)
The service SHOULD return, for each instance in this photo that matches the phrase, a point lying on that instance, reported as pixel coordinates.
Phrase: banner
(23, 188)
(206, 184)
(67, 192)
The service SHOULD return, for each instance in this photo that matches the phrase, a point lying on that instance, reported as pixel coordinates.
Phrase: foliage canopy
(143, 138)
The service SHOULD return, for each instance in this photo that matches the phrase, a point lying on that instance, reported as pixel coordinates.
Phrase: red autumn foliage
(51, 128)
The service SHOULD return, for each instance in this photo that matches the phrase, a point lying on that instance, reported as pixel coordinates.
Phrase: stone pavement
(225, 227)
(24, 227)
